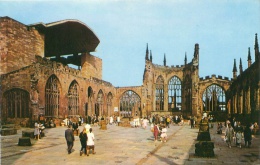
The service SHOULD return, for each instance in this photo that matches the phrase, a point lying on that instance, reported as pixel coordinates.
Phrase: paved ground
(127, 146)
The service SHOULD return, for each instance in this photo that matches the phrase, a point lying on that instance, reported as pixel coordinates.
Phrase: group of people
(235, 132)
(159, 131)
(86, 139)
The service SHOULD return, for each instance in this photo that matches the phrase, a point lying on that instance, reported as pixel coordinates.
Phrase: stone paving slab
(126, 146)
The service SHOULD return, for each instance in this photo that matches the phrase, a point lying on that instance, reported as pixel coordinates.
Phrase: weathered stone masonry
(36, 79)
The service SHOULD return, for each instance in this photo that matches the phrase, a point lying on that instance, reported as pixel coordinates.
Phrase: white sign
(115, 109)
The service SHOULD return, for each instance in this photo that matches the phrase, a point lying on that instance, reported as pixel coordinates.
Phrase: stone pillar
(204, 148)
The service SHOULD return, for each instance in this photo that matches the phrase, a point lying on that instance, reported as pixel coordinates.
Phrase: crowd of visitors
(235, 134)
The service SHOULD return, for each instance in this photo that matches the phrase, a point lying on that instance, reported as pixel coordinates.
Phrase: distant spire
(147, 53)
(249, 58)
(151, 56)
(240, 67)
(164, 60)
(196, 51)
(235, 69)
(256, 48)
(185, 59)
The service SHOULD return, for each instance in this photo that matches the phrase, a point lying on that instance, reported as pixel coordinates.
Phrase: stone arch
(52, 96)
(159, 93)
(214, 98)
(73, 98)
(130, 104)
(174, 94)
(16, 101)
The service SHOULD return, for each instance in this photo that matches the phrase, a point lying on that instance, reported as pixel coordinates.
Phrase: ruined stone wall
(205, 83)
(186, 89)
(19, 45)
(243, 95)
(167, 73)
(41, 71)
(139, 90)
(91, 66)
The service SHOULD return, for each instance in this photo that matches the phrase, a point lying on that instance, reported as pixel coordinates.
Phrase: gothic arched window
(214, 98)
(73, 95)
(130, 104)
(174, 94)
(17, 103)
(52, 96)
(159, 94)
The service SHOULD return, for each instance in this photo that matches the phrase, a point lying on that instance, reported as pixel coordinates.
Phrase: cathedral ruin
(36, 79)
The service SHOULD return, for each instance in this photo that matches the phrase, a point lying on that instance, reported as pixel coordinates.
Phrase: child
(163, 134)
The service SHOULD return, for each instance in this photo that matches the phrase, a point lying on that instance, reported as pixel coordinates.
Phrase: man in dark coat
(69, 136)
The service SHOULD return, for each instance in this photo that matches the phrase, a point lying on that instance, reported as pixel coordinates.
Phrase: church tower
(147, 89)
(195, 81)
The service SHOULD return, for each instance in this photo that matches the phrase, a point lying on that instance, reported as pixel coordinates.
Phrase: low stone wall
(23, 122)
(8, 131)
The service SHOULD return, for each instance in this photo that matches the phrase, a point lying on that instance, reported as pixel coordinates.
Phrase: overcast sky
(223, 29)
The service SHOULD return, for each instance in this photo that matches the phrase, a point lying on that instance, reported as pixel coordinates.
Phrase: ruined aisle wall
(41, 71)
(167, 73)
(91, 66)
(18, 45)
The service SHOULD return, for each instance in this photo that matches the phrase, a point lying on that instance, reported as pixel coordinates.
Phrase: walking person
(247, 136)
(168, 120)
(229, 133)
(239, 134)
(36, 131)
(191, 122)
(156, 131)
(111, 120)
(69, 136)
(90, 142)
(83, 141)
(118, 120)
(145, 122)
(164, 135)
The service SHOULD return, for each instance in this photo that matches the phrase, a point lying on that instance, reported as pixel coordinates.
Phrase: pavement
(126, 146)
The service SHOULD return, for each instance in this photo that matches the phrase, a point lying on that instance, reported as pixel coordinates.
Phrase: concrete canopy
(67, 37)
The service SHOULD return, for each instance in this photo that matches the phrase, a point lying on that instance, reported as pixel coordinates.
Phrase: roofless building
(36, 79)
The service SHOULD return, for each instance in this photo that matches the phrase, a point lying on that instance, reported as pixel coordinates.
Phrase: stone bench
(24, 141)
(28, 133)
(8, 131)
(8, 126)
